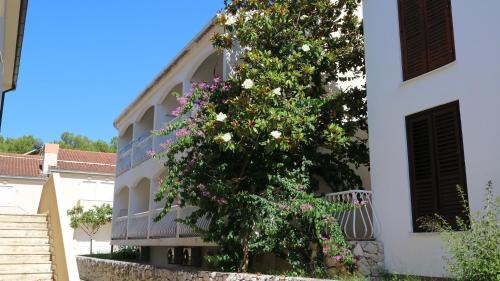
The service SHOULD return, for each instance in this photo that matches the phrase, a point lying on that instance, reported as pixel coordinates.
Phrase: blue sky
(84, 61)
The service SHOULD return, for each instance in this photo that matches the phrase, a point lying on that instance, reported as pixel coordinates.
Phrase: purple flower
(337, 257)
(151, 153)
(182, 100)
(166, 144)
(182, 132)
(205, 193)
(306, 207)
(177, 111)
(200, 133)
(221, 201)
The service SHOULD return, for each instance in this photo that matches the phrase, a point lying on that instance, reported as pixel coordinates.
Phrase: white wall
(20, 195)
(90, 188)
(473, 79)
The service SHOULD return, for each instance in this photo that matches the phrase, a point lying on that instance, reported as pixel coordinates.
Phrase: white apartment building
(137, 175)
(433, 96)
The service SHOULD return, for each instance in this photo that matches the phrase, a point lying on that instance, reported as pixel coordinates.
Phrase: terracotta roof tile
(86, 161)
(19, 165)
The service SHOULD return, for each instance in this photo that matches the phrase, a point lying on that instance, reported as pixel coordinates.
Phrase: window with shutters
(436, 161)
(426, 33)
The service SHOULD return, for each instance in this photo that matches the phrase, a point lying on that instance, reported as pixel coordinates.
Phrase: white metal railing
(119, 228)
(358, 221)
(124, 162)
(141, 149)
(161, 141)
(166, 227)
(138, 225)
(186, 231)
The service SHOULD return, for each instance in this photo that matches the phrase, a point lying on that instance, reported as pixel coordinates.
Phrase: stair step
(28, 258)
(25, 267)
(24, 241)
(24, 249)
(23, 225)
(23, 233)
(26, 276)
(22, 218)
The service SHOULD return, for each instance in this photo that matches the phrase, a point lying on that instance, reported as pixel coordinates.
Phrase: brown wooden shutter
(439, 30)
(436, 163)
(422, 170)
(412, 34)
(449, 161)
(426, 34)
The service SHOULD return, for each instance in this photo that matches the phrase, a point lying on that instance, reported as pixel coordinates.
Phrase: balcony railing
(124, 162)
(138, 225)
(119, 228)
(141, 149)
(357, 222)
(186, 231)
(166, 227)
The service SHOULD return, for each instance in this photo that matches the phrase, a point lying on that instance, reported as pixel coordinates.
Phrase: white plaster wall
(473, 79)
(92, 188)
(20, 195)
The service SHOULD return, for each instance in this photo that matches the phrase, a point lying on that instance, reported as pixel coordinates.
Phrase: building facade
(137, 175)
(87, 179)
(432, 82)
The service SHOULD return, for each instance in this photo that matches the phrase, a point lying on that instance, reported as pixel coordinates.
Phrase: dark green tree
(250, 149)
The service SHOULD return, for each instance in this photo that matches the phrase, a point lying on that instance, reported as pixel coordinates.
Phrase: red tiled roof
(86, 161)
(19, 165)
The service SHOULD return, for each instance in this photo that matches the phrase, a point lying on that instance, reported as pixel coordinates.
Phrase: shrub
(475, 248)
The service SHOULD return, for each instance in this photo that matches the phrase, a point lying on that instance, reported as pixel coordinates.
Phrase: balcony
(119, 228)
(138, 226)
(167, 227)
(141, 149)
(358, 222)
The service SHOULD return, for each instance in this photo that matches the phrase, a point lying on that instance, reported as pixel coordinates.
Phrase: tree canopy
(67, 140)
(250, 149)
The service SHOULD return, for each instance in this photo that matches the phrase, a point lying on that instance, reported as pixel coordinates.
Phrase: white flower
(226, 137)
(247, 84)
(345, 107)
(276, 134)
(230, 20)
(277, 91)
(221, 117)
(303, 17)
(306, 48)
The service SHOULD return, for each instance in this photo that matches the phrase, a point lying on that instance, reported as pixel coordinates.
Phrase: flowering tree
(249, 150)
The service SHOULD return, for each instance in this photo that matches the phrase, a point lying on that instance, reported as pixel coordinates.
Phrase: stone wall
(369, 253)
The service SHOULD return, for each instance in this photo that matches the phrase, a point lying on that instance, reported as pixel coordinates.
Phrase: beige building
(86, 177)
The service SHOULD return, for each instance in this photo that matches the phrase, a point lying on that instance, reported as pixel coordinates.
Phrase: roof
(86, 161)
(19, 165)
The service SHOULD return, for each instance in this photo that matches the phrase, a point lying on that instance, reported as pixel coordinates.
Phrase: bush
(123, 253)
(475, 249)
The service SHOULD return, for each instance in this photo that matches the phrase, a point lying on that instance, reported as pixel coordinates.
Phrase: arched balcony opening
(164, 114)
(210, 68)
(125, 143)
(140, 197)
(139, 209)
(143, 137)
(120, 216)
(121, 202)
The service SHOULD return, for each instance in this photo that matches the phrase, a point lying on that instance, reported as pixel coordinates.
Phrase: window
(426, 34)
(436, 161)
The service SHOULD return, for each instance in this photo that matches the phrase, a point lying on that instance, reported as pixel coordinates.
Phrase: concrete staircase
(24, 248)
